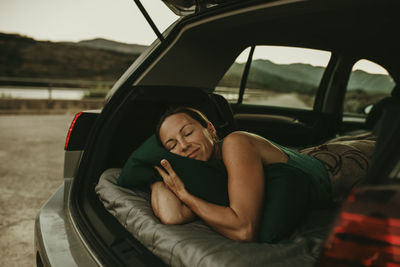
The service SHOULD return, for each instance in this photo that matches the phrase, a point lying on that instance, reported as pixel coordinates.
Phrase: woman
(187, 132)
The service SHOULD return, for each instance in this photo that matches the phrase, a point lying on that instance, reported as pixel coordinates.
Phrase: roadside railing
(41, 82)
(91, 89)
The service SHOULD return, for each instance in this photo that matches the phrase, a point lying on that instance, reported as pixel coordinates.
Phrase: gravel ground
(31, 169)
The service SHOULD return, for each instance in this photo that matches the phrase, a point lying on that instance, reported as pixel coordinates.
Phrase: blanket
(196, 244)
(347, 160)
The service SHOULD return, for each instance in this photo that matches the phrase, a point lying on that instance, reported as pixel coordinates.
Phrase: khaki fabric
(347, 160)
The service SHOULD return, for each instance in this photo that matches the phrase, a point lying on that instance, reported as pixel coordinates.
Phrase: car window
(229, 84)
(278, 76)
(368, 83)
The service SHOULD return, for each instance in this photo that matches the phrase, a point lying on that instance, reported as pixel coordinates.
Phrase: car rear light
(79, 130)
(71, 128)
(367, 230)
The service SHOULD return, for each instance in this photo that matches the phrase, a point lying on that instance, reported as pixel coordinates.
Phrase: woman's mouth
(193, 154)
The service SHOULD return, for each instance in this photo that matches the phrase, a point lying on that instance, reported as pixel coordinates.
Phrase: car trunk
(168, 76)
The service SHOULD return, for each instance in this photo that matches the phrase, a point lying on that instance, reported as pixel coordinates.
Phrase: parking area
(31, 168)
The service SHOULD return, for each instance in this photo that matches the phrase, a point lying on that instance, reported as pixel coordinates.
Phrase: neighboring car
(243, 51)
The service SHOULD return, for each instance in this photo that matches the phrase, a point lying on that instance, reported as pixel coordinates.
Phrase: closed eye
(189, 133)
(170, 144)
(172, 147)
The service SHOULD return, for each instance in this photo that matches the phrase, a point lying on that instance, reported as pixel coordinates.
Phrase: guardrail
(50, 83)
(94, 89)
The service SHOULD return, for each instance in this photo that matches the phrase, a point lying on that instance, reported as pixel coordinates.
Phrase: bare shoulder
(240, 145)
(238, 138)
(237, 143)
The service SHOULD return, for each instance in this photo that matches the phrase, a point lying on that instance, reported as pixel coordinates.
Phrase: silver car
(293, 71)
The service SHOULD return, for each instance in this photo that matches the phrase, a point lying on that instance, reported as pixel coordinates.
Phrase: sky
(118, 20)
(76, 20)
(288, 55)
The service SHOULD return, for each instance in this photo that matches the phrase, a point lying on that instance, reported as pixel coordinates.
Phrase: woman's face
(184, 136)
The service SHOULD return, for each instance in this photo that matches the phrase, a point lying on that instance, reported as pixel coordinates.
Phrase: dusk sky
(76, 20)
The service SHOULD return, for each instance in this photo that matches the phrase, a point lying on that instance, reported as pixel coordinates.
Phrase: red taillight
(371, 227)
(367, 231)
(71, 127)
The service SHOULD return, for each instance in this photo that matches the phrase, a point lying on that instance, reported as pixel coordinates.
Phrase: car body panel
(71, 163)
(56, 238)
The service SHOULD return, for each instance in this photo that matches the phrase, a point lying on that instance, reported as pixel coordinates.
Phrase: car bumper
(57, 242)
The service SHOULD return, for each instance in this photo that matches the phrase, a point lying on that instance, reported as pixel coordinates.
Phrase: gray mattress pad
(196, 244)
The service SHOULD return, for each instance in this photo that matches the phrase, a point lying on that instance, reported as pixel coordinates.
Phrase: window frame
(247, 68)
(352, 116)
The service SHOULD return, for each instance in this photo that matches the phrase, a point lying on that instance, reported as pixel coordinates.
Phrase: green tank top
(291, 190)
(321, 192)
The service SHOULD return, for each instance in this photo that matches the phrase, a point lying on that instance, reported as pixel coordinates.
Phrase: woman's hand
(171, 180)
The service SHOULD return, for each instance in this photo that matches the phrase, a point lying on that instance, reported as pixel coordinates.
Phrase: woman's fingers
(161, 172)
(169, 176)
(168, 167)
(166, 175)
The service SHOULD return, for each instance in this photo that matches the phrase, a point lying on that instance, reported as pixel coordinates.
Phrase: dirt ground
(31, 169)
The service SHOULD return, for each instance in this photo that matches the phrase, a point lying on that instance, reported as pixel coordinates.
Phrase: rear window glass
(368, 83)
(278, 76)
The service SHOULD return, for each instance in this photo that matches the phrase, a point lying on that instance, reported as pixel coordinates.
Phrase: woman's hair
(191, 112)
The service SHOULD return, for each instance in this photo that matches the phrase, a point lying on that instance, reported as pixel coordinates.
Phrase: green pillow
(204, 179)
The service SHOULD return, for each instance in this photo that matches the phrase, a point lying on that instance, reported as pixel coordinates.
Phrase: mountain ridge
(24, 57)
(300, 77)
(106, 44)
(100, 59)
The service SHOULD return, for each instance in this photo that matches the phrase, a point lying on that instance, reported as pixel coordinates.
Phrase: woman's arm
(239, 221)
(167, 207)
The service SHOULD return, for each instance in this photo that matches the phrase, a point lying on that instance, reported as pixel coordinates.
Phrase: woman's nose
(184, 145)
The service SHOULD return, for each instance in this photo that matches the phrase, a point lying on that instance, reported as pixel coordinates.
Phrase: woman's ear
(211, 129)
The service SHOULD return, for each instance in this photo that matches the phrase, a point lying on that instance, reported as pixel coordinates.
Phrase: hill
(106, 60)
(369, 82)
(94, 60)
(105, 44)
(298, 77)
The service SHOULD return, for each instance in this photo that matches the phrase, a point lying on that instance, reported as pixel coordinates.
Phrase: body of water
(41, 93)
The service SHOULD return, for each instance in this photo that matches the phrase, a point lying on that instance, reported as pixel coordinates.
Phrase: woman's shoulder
(242, 136)
(237, 140)
(239, 150)
(237, 136)
(245, 143)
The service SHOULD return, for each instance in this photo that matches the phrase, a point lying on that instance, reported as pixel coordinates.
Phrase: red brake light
(71, 127)
(367, 231)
